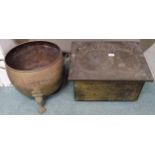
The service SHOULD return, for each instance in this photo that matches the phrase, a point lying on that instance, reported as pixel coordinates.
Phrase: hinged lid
(108, 61)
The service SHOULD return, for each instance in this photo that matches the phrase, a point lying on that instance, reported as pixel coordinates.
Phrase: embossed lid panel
(108, 61)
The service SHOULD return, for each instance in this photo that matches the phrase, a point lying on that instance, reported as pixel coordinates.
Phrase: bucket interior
(32, 55)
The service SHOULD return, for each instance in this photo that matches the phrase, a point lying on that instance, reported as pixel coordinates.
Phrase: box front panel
(107, 90)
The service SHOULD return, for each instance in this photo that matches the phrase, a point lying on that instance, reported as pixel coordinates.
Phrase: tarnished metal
(21, 41)
(108, 61)
(107, 90)
(102, 70)
(35, 69)
(146, 43)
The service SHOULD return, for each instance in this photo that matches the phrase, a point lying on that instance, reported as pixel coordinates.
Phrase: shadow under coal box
(36, 69)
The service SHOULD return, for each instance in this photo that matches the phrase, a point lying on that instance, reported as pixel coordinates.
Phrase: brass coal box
(113, 71)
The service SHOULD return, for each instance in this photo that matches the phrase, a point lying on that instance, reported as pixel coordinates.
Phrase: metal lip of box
(113, 71)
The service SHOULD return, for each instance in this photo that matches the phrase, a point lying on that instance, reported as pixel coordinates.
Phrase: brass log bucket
(35, 69)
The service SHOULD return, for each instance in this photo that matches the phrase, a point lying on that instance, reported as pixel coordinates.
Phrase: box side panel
(107, 90)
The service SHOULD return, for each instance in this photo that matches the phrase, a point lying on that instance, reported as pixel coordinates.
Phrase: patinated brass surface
(146, 43)
(35, 69)
(21, 41)
(107, 90)
(108, 70)
(108, 61)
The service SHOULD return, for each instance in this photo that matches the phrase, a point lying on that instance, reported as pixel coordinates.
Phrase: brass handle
(39, 100)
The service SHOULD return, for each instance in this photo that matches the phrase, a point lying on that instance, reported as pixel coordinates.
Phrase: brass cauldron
(35, 69)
